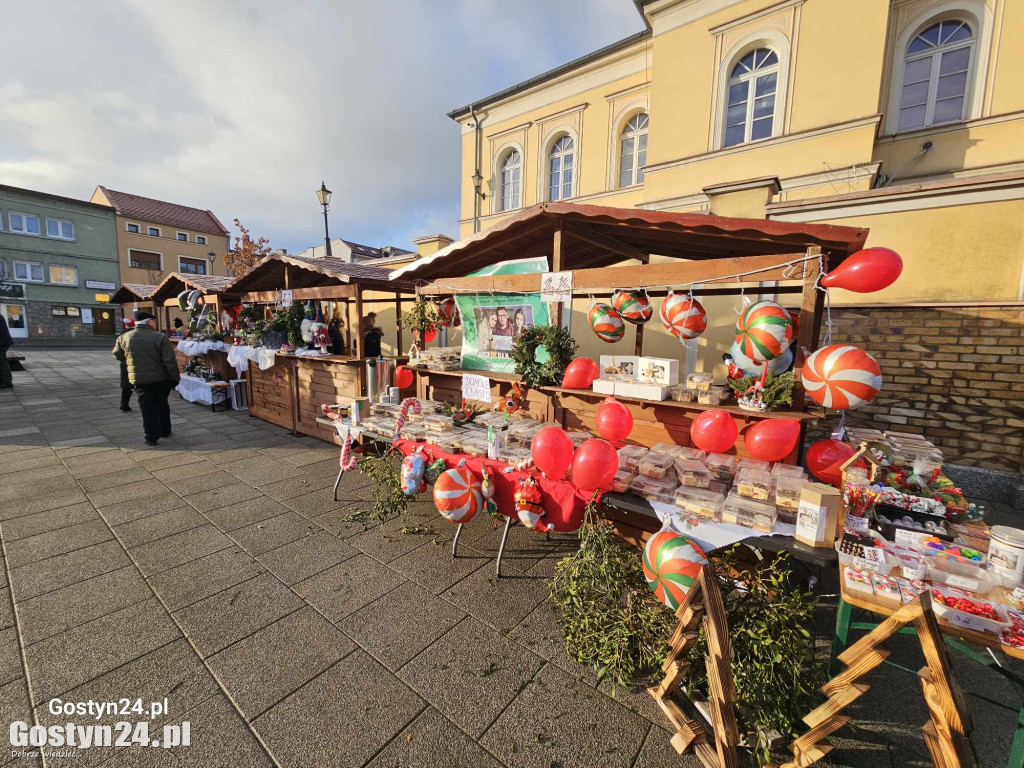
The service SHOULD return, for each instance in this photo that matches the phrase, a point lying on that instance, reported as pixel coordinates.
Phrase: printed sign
(100, 285)
(12, 291)
(476, 388)
(286, 298)
(87, 315)
(490, 322)
(556, 287)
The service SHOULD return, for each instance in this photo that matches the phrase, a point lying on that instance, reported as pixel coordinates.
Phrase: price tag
(864, 564)
(286, 298)
(971, 585)
(907, 538)
(476, 388)
(1018, 596)
(556, 287)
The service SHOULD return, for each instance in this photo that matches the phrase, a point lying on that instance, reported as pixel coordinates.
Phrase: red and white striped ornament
(683, 316)
(842, 377)
(457, 494)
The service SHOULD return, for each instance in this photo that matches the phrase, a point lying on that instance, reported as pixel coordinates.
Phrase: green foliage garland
(609, 617)
(776, 675)
(561, 349)
(384, 472)
(420, 316)
(296, 314)
(777, 392)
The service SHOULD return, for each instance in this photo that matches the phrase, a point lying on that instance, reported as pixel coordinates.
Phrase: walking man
(152, 370)
(6, 379)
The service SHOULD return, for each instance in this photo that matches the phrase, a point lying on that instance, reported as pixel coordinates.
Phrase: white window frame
(646, 131)
(553, 138)
(201, 240)
(768, 38)
(179, 238)
(749, 81)
(30, 264)
(498, 195)
(25, 216)
(60, 223)
(137, 230)
(206, 265)
(978, 17)
(149, 231)
(143, 250)
(63, 282)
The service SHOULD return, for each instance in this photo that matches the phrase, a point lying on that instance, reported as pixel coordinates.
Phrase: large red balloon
(580, 373)
(824, 458)
(594, 465)
(772, 439)
(430, 334)
(614, 421)
(866, 271)
(714, 431)
(403, 377)
(551, 450)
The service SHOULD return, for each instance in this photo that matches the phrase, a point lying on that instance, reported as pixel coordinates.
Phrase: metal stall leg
(337, 482)
(501, 547)
(455, 541)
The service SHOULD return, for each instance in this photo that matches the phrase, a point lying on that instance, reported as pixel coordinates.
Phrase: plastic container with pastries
(748, 512)
(692, 473)
(700, 501)
(655, 465)
(630, 456)
(655, 489)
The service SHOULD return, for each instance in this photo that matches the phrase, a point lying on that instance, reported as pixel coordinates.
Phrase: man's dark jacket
(149, 356)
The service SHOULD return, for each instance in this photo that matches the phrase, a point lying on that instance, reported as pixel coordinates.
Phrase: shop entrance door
(103, 322)
(16, 321)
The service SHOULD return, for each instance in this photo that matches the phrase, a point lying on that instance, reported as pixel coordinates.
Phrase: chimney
(431, 244)
(281, 251)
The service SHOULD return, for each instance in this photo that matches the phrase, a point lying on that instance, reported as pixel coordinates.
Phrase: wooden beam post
(556, 266)
(348, 328)
(398, 322)
(812, 303)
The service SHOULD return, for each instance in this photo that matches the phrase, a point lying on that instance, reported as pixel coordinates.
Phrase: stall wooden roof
(268, 275)
(598, 236)
(176, 282)
(133, 292)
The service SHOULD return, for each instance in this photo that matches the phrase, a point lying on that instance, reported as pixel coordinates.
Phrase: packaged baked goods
(630, 455)
(699, 381)
(857, 579)
(692, 473)
(670, 448)
(688, 452)
(754, 484)
(654, 488)
(438, 422)
(700, 501)
(683, 394)
(474, 446)
(787, 490)
(885, 587)
(579, 438)
(713, 395)
(655, 465)
(793, 470)
(750, 462)
(753, 514)
(623, 480)
(721, 465)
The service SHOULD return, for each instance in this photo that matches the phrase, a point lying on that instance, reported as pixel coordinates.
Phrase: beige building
(155, 238)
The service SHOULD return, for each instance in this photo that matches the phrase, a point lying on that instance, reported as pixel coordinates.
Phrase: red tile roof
(172, 214)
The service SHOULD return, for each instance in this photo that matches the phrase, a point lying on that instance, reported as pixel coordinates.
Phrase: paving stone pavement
(216, 571)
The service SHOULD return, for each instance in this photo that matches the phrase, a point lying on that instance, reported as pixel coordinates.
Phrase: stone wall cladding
(955, 374)
(40, 315)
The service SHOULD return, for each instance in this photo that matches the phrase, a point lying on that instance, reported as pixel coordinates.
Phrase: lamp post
(324, 195)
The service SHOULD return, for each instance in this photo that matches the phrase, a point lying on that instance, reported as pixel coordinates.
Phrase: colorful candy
(457, 494)
(410, 403)
(841, 376)
(672, 563)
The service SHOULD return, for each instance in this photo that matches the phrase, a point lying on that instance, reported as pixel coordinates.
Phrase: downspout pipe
(476, 167)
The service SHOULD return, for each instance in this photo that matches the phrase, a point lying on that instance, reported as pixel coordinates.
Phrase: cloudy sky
(243, 106)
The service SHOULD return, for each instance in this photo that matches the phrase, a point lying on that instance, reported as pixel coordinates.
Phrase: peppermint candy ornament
(634, 306)
(672, 563)
(764, 331)
(607, 323)
(683, 316)
(446, 312)
(457, 495)
(841, 377)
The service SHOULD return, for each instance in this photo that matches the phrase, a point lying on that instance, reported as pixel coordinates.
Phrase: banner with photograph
(489, 322)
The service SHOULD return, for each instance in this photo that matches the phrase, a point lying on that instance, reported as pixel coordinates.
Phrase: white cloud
(243, 106)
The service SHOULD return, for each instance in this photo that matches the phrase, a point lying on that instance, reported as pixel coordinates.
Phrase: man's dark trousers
(5, 368)
(156, 413)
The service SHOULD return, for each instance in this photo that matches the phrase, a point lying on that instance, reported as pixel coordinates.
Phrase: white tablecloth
(196, 390)
(192, 348)
(711, 534)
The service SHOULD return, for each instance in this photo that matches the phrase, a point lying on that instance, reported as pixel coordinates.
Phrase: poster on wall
(489, 323)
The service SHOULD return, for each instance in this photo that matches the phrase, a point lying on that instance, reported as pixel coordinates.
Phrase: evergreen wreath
(561, 348)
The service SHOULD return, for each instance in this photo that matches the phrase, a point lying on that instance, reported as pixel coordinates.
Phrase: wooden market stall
(132, 296)
(213, 293)
(289, 393)
(608, 248)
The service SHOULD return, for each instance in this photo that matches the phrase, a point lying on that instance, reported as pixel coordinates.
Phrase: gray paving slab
(357, 701)
(179, 548)
(14, 705)
(172, 475)
(14, 492)
(44, 522)
(221, 739)
(45, 499)
(229, 455)
(110, 496)
(169, 461)
(424, 618)
(297, 486)
(392, 539)
(471, 674)
(53, 573)
(348, 586)
(10, 656)
(556, 718)
(658, 752)
(246, 513)
(306, 556)
(321, 502)
(432, 740)
(153, 527)
(433, 566)
(260, 471)
(262, 669)
(144, 506)
(55, 612)
(510, 599)
(541, 634)
(71, 658)
(226, 617)
(223, 496)
(53, 543)
(119, 463)
(204, 576)
(273, 532)
(95, 483)
(206, 481)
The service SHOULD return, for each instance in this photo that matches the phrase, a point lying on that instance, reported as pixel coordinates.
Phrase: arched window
(753, 84)
(633, 151)
(935, 75)
(510, 181)
(560, 168)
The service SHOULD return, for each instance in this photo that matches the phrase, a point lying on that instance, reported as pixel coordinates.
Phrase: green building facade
(58, 266)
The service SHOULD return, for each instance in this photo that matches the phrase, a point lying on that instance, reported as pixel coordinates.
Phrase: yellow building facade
(902, 116)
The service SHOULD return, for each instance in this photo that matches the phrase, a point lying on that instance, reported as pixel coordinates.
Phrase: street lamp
(324, 195)
(211, 257)
(478, 182)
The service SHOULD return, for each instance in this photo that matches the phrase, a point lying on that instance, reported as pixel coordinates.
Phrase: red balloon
(403, 377)
(824, 458)
(430, 334)
(772, 439)
(551, 450)
(866, 271)
(580, 373)
(614, 421)
(594, 465)
(714, 431)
